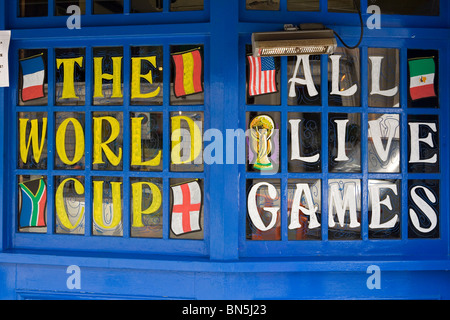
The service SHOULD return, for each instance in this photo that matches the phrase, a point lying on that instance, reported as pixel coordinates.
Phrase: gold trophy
(261, 129)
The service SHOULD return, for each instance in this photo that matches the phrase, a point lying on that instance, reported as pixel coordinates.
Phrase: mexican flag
(421, 83)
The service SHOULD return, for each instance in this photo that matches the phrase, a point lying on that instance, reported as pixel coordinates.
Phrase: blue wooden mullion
(324, 150)
(283, 152)
(364, 92)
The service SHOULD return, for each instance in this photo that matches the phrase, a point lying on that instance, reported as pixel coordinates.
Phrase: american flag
(262, 75)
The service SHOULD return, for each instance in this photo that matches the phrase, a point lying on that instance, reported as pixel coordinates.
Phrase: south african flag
(34, 201)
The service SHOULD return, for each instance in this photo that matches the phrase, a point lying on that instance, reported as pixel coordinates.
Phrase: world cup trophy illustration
(261, 129)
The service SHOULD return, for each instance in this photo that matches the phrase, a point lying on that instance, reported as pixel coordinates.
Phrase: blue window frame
(225, 39)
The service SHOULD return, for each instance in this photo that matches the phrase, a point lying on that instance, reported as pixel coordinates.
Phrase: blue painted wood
(224, 265)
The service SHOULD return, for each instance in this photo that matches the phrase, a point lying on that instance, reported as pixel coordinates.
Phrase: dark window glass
(146, 75)
(146, 207)
(384, 78)
(69, 140)
(344, 83)
(423, 78)
(384, 142)
(107, 6)
(304, 142)
(304, 208)
(409, 7)
(70, 205)
(342, 5)
(303, 5)
(146, 141)
(186, 141)
(107, 206)
(33, 8)
(344, 214)
(262, 5)
(423, 144)
(186, 5)
(263, 142)
(62, 5)
(187, 69)
(32, 140)
(142, 6)
(33, 82)
(301, 69)
(263, 79)
(32, 204)
(263, 209)
(344, 142)
(186, 205)
(70, 77)
(384, 209)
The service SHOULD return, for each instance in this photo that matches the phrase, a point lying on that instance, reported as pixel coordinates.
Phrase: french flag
(33, 73)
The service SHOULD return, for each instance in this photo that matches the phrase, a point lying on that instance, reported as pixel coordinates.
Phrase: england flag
(187, 201)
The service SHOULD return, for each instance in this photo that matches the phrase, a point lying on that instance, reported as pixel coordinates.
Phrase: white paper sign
(5, 36)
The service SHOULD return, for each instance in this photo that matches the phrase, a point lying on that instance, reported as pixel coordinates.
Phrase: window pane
(304, 142)
(69, 140)
(263, 142)
(107, 6)
(344, 216)
(304, 209)
(187, 69)
(263, 209)
(342, 5)
(107, 206)
(186, 5)
(32, 140)
(142, 6)
(147, 76)
(186, 205)
(384, 209)
(384, 78)
(32, 205)
(187, 142)
(423, 144)
(33, 83)
(423, 78)
(70, 205)
(303, 5)
(301, 69)
(263, 4)
(107, 140)
(344, 79)
(263, 79)
(62, 5)
(108, 76)
(384, 142)
(410, 7)
(70, 77)
(146, 207)
(146, 141)
(344, 142)
(33, 8)
(423, 203)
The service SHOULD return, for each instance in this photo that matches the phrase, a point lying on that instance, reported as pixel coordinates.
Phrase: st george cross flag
(262, 75)
(34, 201)
(188, 73)
(187, 201)
(33, 73)
(422, 73)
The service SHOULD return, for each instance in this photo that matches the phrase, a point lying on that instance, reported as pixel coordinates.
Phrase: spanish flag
(188, 72)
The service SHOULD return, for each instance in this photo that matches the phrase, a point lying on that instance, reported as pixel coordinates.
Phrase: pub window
(345, 148)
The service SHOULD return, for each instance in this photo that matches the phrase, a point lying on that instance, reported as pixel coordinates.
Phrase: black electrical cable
(362, 29)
